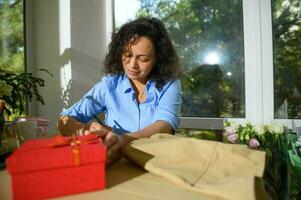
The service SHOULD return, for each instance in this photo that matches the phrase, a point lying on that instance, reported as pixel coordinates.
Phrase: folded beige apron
(226, 171)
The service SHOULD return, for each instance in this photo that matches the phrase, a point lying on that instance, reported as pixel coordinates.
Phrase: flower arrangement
(256, 137)
(273, 139)
(5, 90)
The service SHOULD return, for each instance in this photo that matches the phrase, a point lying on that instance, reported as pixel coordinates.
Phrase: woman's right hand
(95, 127)
(68, 126)
(111, 140)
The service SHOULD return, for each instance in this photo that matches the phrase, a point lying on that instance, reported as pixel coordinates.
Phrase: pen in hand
(108, 128)
(99, 121)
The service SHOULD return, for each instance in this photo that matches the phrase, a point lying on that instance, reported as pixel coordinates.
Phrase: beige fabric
(226, 171)
(125, 181)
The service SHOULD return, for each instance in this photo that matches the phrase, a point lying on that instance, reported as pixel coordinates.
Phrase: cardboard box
(45, 168)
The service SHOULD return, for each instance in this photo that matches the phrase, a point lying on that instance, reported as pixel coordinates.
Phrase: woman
(140, 94)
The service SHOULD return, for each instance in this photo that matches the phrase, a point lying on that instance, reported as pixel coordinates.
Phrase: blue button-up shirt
(114, 95)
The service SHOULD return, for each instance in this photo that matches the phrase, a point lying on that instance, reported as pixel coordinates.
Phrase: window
(12, 58)
(208, 36)
(287, 52)
(241, 57)
(12, 35)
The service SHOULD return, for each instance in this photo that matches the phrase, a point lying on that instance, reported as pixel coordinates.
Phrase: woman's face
(139, 58)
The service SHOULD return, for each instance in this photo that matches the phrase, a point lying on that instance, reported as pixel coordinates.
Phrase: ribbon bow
(74, 142)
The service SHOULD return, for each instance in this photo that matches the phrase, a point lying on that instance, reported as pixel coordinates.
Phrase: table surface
(125, 180)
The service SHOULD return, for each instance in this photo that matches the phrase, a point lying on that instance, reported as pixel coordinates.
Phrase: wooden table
(125, 180)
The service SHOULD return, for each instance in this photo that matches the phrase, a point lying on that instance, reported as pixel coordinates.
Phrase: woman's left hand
(110, 139)
(113, 143)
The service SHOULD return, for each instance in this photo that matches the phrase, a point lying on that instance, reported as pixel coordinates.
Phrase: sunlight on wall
(64, 49)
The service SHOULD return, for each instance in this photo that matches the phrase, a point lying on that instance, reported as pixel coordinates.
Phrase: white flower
(260, 129)
(230, 130)
(235, 125)
(276, 128)
(5, 89)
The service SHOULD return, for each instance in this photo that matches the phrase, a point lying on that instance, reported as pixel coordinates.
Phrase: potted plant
(16, 89)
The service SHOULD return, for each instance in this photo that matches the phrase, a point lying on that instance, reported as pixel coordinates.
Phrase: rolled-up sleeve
(90, 105)
(169, 104)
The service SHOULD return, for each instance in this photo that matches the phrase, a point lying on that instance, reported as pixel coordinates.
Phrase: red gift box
(45, 168)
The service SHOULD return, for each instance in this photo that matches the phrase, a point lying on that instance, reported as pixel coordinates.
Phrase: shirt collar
(127, 86)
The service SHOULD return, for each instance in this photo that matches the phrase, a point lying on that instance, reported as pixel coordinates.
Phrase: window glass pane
(12, 41)
(208, 36)
(11, 35)
(200, 134)
(287, 54)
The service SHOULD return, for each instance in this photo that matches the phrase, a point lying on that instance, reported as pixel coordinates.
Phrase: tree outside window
(12, 35)
(208, 36)
(287, 52)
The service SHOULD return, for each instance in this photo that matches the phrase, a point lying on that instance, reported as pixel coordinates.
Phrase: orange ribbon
(74, 142)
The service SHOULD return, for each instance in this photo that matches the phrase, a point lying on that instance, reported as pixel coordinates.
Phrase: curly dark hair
(168, 65)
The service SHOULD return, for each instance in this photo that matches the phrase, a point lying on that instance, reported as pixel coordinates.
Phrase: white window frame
(259, 71)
